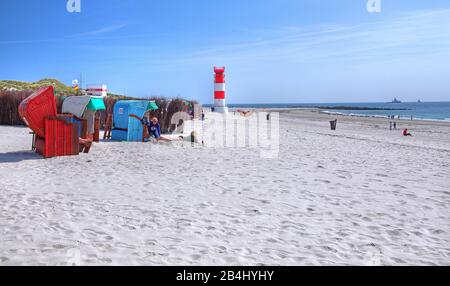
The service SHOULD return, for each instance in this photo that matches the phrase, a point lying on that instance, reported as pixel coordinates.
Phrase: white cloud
(419, 32)
(93, 34)
(100, 31)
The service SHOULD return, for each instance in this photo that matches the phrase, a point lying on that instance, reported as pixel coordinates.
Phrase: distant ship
(419, 101)
(396, 101)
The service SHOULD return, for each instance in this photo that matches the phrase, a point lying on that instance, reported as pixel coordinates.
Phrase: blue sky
(286, 51)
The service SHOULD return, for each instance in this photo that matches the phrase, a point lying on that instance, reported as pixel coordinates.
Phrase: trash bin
(333, 124)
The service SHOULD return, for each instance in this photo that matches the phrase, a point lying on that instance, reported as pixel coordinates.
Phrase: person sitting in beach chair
(154, 129)
(406, 133)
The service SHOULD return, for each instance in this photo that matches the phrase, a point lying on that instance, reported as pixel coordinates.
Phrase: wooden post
(97, 128)
(108, 126)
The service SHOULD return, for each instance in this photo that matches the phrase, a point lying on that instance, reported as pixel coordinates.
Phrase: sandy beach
(360, 195)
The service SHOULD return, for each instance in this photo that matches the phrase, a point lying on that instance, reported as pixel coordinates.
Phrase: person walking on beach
(395, 125)
(390, 125)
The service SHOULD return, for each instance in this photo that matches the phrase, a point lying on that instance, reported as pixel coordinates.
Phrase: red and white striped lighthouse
(219, 91)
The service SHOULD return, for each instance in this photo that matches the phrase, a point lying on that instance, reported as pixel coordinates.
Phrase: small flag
(75, 85)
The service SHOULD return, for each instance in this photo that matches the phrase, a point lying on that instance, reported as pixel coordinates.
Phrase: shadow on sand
(14, 157)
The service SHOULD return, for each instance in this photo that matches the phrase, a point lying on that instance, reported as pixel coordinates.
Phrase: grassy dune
(21, 85)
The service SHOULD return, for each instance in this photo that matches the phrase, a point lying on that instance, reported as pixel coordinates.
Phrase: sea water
(418, 110)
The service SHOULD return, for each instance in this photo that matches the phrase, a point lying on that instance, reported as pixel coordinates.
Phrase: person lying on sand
(406, 133)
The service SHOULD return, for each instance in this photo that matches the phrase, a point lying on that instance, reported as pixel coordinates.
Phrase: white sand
(361, 195)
